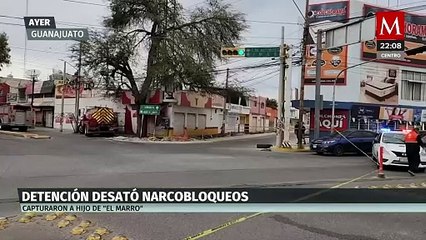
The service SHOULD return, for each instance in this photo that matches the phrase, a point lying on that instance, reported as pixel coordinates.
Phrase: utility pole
(287, 95)
(302, 76)
(63, 97)
(281, 93)
(225, 101)
(32, 92)
(318, 84)
(77, 92)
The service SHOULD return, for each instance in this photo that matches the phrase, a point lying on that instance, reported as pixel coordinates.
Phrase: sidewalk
(190, 141)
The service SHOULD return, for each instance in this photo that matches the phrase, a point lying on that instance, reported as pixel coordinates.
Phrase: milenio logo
(390, 25)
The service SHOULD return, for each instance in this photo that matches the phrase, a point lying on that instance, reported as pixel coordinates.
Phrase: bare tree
(4, 50)
(181, 46)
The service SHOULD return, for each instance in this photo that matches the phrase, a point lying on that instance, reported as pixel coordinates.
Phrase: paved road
(69, 160)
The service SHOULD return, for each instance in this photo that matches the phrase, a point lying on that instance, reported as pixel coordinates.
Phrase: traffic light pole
(318, 85)
(77, 93)
(281, 92)
(300, 133)
(225, 112)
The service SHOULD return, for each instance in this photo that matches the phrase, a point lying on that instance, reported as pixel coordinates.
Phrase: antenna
(32, 73)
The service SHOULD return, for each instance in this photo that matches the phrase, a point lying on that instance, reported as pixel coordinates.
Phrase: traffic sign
(150, 110)
(262, 52)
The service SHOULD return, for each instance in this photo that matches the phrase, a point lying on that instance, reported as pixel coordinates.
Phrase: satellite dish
(32, 73)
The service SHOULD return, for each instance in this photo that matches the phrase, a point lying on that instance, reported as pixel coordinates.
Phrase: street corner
(290, 150)
(24, 135)
(35, 226)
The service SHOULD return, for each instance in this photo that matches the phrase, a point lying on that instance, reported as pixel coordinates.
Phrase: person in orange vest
(412, 145)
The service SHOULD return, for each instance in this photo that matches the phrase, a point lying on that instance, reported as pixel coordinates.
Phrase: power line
(86, 3)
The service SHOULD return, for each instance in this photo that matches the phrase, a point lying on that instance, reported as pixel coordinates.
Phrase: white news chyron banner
(242, 200)
(228, 208)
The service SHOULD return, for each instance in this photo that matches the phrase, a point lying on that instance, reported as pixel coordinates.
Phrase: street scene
(215, 94)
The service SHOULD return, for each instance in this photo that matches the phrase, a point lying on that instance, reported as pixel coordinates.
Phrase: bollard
(380, 173)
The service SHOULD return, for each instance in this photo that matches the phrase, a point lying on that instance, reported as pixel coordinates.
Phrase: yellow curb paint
(63, 223)
(25, 219)
(94, 236)
(78, 230)
(30, 214)
(85, 223)
(102, 231)
(50, 217)
(70, 217)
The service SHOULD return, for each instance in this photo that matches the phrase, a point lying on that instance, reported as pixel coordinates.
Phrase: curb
(214, 140)
(289, 150)
(25, 135)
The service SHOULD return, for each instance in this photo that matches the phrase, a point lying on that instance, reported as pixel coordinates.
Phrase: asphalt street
(69, 160)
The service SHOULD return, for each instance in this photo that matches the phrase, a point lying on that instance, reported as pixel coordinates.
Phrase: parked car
(348, 143)
(394, 152)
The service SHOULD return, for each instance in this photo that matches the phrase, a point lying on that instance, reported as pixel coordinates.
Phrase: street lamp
(334, 90)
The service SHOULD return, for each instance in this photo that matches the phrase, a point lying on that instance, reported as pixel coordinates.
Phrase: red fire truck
(98, 120)
(18, 116)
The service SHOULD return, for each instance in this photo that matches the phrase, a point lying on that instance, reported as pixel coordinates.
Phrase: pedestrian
(296, 131)
(413, 142)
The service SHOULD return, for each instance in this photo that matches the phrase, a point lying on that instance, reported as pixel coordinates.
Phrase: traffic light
(233, 52)
(284, 52)
(415, 51)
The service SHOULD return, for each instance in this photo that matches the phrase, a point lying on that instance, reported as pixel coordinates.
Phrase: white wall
(69, 108)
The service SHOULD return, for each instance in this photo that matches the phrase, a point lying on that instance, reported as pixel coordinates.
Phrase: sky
(265, 19)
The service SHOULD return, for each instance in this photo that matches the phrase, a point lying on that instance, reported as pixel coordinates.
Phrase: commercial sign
(423, 117)
(68, 91)
(379, 84)
(340, 120)
(335, 12)
(414, 29)
(333, 60)
(396, 114)
(359, 111)
(44, 28)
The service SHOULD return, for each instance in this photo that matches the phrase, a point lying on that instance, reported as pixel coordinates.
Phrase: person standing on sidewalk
(412, 145)
(296, 131)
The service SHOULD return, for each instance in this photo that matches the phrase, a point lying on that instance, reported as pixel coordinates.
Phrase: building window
(413, 86)
(262, 105)
(255, 103)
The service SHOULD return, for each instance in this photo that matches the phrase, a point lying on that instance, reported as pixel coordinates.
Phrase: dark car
(350, 142)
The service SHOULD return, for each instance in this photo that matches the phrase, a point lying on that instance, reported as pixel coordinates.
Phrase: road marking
(245, 218)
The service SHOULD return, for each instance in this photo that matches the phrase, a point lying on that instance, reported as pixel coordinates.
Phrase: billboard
(68, 91)
(415, 36)
(333, 60)
(396, 114)
(340, 120)
(379, 84)
(333, 11)
(369, 112)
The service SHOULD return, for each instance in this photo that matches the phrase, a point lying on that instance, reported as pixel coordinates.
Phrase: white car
(394, 153)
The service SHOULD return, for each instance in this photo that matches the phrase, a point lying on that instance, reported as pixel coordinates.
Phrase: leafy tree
(181, 46)
(4, 50)
(272, 103)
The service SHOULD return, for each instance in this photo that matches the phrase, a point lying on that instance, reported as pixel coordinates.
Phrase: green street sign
(262, 52)
(150, 110)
